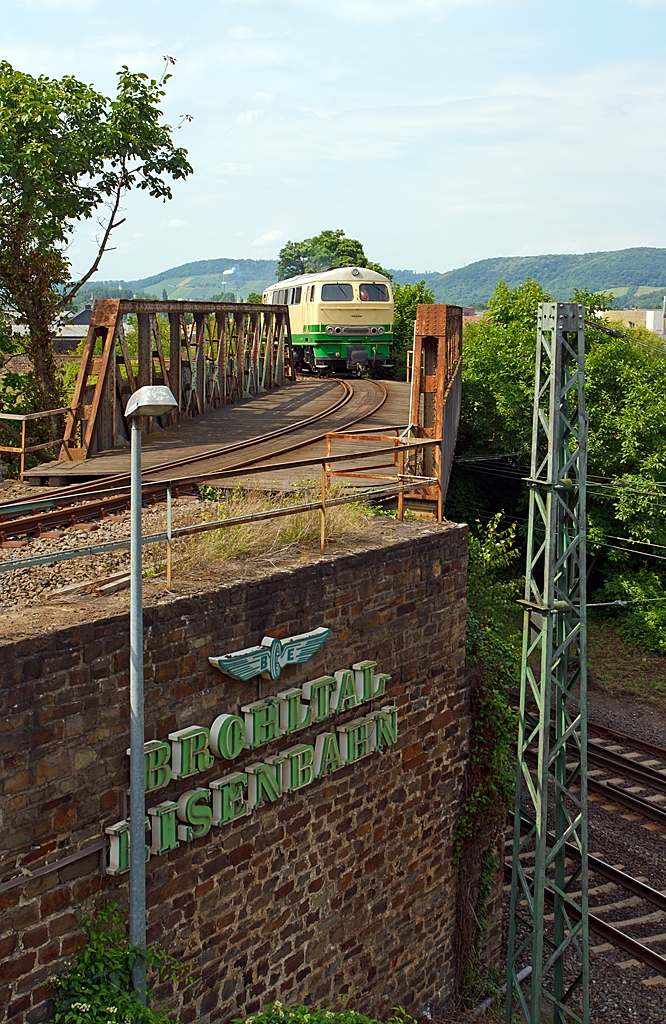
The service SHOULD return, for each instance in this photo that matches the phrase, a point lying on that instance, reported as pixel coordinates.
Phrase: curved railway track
(79, 503)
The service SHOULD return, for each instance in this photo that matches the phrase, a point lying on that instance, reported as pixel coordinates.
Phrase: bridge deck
(253, 418)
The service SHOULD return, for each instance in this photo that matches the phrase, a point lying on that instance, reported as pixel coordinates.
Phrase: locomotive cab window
(373, 293)
(337, 293)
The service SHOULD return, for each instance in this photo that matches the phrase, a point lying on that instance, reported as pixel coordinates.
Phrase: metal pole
(169, 528)
(553, 692)
(137, 856)
(322, 537)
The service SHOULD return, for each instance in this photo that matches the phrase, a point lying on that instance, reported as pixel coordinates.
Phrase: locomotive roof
(335, 275)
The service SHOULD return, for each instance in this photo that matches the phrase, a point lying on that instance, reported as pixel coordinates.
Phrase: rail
(63, 507)
(602, 928)
(406, 483)
(23, 419)
(215, 353)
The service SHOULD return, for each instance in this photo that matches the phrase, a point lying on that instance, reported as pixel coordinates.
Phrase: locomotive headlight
(330, 330)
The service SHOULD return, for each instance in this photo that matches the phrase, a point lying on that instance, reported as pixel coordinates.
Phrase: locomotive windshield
(373, 293)
(336, 293)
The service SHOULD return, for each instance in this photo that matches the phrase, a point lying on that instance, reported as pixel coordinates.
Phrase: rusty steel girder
(217, 353)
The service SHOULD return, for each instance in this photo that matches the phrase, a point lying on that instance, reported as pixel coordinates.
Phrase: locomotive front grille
(338, 331)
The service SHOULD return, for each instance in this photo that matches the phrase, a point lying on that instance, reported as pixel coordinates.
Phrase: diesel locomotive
(341, 319)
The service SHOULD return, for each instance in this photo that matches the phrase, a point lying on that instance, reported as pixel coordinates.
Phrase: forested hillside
(199, 280)
(637, 277)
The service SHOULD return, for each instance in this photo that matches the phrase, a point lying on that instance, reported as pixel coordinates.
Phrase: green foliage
(643, 622)
(132, 333)
(516, 307)
(276, 1013)
(67, 151)
(323, 251)
(224, 297)
(493, 648)
(625, 384)
(493, 656)
(97, 987)
(10, 343)
(90, 292)
(255, 298)
(594, 302)
(498, 373)
(406, 298)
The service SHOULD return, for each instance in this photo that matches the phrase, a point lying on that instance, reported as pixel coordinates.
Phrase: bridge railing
(215, 353)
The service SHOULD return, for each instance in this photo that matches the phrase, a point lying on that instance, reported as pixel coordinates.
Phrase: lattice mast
(551, 806)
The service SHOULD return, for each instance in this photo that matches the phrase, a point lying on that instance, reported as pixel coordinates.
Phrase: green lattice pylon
(548, 924)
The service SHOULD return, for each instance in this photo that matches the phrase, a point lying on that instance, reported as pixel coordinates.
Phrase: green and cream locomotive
(340, 319)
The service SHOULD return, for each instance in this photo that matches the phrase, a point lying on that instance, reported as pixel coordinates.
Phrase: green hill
(636, 276)
(199, 280)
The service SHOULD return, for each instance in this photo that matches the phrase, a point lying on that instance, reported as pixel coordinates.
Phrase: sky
(438, 132)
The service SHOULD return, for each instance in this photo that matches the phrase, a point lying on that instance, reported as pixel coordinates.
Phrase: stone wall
(346, 885)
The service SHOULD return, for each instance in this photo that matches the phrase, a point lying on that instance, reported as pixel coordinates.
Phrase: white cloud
(176, 223)
(249, 116)
(234, 169)
(270, 236)
(243, 32)
(264, 97)
(323, 115)
(362, 10)
(76, 5)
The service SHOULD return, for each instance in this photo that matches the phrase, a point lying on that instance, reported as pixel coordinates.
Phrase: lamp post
(153, 400)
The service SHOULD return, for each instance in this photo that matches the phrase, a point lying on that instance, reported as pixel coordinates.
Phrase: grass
(619, 668)
(269, 536)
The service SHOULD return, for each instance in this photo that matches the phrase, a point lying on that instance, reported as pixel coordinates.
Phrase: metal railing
(24, 418)
(405, 482)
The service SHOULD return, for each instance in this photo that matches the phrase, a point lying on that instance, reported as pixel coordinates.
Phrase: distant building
(653, 319)
(84, 316)
(66, 337)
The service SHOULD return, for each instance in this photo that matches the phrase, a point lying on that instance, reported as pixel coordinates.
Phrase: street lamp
(153, 400)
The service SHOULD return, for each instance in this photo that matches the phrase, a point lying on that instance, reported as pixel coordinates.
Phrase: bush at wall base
(276, 1013)
(97, 985)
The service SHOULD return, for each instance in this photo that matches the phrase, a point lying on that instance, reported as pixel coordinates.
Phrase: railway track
(616, 768)
(84, 503)
(625, 775)
(608, 888)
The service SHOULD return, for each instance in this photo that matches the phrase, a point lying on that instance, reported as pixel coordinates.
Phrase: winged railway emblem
(272, 655)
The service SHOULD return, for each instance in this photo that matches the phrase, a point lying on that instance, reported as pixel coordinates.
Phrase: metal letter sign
(271, 656)
(193, 750)
(545, 885)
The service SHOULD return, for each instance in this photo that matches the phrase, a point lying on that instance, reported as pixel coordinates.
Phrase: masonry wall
(344, 886)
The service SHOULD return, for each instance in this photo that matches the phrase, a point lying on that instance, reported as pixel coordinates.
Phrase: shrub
(97, 986)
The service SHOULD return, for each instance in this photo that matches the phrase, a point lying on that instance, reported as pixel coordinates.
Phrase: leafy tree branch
(67, 151)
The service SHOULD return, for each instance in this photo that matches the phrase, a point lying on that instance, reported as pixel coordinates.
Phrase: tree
(322, 252)
(406, 298)
(255, 298)
(625, 380)
(67, 154)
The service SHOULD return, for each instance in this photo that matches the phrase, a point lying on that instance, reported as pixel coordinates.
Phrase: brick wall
(346, 885)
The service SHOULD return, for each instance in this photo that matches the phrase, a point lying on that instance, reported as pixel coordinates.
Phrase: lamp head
(151, 400)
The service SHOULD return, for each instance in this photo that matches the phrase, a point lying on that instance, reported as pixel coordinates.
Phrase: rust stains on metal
(217, 353)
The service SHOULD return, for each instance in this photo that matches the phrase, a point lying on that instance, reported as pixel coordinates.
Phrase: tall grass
(266, 537)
